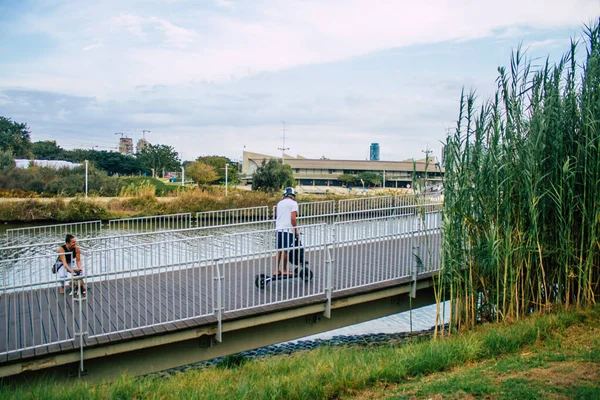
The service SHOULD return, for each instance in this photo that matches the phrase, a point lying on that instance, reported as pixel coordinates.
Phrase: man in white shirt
(286, 226)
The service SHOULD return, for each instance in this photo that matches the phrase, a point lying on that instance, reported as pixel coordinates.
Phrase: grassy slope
(554, 356)
(566, 365)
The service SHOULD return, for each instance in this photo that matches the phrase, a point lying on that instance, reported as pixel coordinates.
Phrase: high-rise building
(374, 152)
(142, 144)
(126, 146)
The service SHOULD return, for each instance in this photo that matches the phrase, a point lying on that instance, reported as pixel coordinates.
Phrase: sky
(217, 77)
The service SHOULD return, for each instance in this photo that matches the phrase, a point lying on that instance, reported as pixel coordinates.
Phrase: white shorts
(65, 275)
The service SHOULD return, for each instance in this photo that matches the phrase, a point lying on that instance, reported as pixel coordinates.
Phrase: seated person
(69, 263)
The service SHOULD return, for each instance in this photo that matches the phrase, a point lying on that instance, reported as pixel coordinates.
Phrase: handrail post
(329, 281)
(219, 306)
(78, 299)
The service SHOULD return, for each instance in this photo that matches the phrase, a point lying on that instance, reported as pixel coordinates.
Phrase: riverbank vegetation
(548, 356)
(136, 200)
(139, 199)
(522, 191)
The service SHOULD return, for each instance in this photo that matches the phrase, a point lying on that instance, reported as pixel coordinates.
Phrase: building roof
(363, 165)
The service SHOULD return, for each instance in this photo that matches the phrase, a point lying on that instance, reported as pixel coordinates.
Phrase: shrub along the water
(522, 191)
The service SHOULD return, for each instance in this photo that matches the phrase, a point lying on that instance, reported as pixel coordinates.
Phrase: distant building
(374, 152)
(325, 172)
(141, 145)
(126, 146)
(55, 164)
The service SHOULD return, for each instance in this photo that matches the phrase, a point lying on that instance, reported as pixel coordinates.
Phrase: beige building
(324, 172)
(126, 146)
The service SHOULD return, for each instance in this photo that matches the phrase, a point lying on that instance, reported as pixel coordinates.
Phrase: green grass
(534, 361)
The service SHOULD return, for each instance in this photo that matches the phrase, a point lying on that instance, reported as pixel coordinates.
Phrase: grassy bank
(130, 204)
(551, 356)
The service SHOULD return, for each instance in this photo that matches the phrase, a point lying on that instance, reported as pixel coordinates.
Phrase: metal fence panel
(232, 216)
(36, 317)
(32, 234)
(153, 280)
(152, 223)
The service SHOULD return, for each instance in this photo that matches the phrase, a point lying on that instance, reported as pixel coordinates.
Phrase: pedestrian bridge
(164, 294)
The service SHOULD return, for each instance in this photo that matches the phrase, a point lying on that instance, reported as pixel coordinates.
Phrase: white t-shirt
(285, 208)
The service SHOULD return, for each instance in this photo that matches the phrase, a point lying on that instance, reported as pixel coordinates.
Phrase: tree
(14, 137)
(109, 161)
(370, 178)
(272, 176)
(7, 161)
(47, 150)
(348, 179)
(201, 173)
(218, 163)
(158, 157)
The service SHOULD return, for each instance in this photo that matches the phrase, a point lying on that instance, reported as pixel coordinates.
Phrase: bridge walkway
(40, 322)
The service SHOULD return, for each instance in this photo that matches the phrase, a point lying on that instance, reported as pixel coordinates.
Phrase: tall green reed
(522, 191)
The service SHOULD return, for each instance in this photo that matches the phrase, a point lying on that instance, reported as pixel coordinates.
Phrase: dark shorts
(284, 240)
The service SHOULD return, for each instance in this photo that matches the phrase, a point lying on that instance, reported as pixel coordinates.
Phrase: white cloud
(268, 36)
(209, 77)
(132, 23)
(225, 4)
(92, 46)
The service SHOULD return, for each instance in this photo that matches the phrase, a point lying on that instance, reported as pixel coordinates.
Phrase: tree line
(154, 159)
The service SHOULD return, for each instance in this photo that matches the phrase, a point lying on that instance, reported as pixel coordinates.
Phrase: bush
(35, 185)
(67, 186)
(83, 210)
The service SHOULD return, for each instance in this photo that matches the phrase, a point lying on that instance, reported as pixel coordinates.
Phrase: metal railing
(364, 204)
(232, 216)
(116, 238)
(152, 223)
(28, 311)
(57, 231)
(151, 286)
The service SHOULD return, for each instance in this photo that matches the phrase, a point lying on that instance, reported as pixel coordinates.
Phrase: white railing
(152, 285)
(364, 204)
(53, 232)
(121, 239)
(152, 223)
(313, 212)
(34, 316)
(232, 216)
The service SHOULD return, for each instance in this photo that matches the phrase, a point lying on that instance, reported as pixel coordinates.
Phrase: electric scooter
(295, 257)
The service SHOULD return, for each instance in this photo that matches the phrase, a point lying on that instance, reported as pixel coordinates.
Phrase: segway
(295, 257)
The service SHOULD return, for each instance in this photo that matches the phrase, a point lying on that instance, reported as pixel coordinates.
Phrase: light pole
(182, 176)
(86, 178)
(427, 152)
(86, 174)
(226, 177)
(283, 148)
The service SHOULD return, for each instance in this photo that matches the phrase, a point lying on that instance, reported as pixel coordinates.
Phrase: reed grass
(522, 191)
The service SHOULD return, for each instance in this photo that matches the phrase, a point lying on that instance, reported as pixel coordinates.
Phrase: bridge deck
(44, 321)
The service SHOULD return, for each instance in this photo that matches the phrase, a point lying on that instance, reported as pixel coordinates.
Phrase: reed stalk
(522, 191)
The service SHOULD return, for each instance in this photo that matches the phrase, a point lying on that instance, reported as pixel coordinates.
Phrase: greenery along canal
(522, 191)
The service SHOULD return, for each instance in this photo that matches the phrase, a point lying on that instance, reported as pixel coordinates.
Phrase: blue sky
(210, 77)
